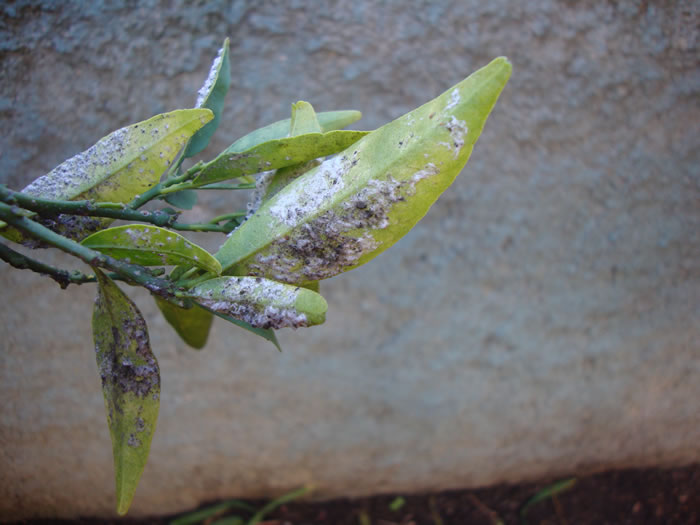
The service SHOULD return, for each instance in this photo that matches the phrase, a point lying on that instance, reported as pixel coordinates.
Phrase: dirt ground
(648, 496)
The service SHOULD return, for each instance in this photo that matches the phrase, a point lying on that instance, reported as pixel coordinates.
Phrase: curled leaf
(130, 384)
(151, 246)
(211, 96)
(355, 205)
(261, 303)
(275, 154)
(303, 119)
(328, 120)
(118, 167)
(191, 324)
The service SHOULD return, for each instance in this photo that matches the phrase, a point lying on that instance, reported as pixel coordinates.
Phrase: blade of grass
(397, 503)
(197, 516)
(545, 493)
(286, 498)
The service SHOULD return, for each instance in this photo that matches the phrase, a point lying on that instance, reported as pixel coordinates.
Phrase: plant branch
(227, 217)
(159, 189)
(62, 277)
(112, 210)
(132, 273)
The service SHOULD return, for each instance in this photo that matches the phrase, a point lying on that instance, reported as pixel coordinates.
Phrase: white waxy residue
(458, 131)
(206, 88)
(259, 302)
(76, 174)
(454, 99)
(318, 188)
(336, 239)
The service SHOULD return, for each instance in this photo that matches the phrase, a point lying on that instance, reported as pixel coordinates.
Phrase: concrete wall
(541, 320)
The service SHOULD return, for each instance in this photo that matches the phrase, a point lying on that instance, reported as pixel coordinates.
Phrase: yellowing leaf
(118, 167)
(328, 120)
(130, 384)
(151, 246)
(303, 119)
(274, 154)
(191, 324)
(355, 205)
(262, 303)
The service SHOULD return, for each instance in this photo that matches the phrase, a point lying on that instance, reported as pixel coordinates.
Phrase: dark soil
(649, 496)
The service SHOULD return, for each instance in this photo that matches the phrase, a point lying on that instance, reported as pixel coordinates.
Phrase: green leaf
(211, 96)
(191, 324)
(275, 154)
(261, 303)
(151, 246)
(357, 204)
(118, 167)
(185, 199)
(130, 384)
(303, 119)
(328, 120)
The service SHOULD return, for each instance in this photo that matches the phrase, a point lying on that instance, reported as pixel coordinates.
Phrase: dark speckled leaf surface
(357, 204)
(150, 245)
(130, 384)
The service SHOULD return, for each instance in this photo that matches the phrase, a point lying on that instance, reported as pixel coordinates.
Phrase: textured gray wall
(541, 320)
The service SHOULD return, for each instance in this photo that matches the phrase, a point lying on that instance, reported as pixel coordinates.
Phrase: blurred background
(542, 320)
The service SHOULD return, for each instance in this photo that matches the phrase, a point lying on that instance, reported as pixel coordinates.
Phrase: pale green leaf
(328, 120)
(130, 384)
(185, 199)
(357, 204)
(151, 246)
(262, 303)
(125, 163)
(303, 119)
(191, 324)
(276, 154)
(211, 96)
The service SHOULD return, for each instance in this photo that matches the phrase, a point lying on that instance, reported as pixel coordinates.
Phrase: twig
(218, 186)
(159, 189)
(130, 272)
(112, 210)
(227, 216)
(62, 277)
